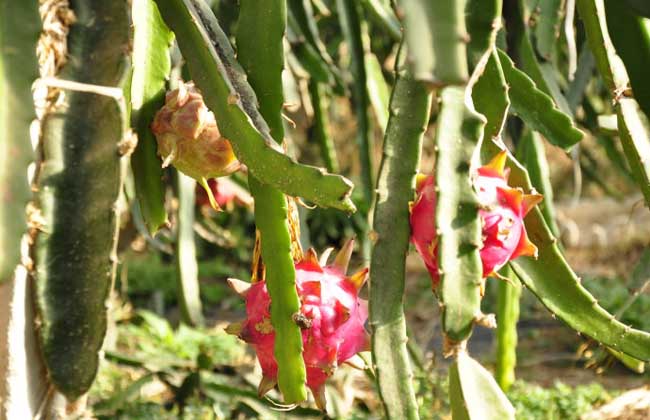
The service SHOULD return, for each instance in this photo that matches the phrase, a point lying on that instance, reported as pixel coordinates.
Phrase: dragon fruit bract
(332, 319)
(188, 137)
(502, 214)
(225, 192)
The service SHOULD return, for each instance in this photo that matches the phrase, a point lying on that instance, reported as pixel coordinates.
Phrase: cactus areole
(331, 317)
(188, 138)
(502, 211)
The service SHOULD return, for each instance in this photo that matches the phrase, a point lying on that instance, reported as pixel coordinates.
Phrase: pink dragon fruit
(188, 137)
(332, 319)
(502, 215)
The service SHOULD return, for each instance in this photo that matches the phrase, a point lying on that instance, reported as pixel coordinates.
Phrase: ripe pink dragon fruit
(188, 137)
(332, 319)
(502, 215)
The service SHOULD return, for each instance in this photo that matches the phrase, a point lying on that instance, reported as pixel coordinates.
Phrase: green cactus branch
(271, 220)
(78, 185)
(301, 20)
(474, 394)
(633, 135)
(436, 38)
(320, 126)
(537, 109)
(303, 13)
(151, 68)
(490, 97)
(187, 268)
(380, 12)
(355, 32)
(490, 92)
(19, 30)
(609, 64)
(409, 114)
(306, 54)
(555, 284)
(631, 37)
(378, 92)
(551, 279)
(547, 30)
(261, 53)
(483, 20)
(222, 81)
(457, 217)
(519, 21)
(507, 316)
(530, 151)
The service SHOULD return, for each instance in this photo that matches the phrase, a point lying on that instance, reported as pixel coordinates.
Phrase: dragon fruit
(502, 211)
(188, 137)
(331, 316)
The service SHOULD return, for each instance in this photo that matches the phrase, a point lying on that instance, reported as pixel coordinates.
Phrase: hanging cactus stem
(151, 69)
(262, 57)
(229, 95)
(78, 186)
(409, 114)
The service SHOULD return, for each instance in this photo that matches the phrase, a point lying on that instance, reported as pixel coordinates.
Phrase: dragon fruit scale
(502, 211)
(331, 317)
(226, 192)
(188, 137)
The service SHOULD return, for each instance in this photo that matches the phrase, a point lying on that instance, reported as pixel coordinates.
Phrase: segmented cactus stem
(261, 54)
(83, 146)
(409, 114)
(507, 317)
(228, 94)
(151, 69)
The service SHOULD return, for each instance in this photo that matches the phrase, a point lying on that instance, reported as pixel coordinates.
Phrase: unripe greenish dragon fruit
(331, 317)
(188, 138)
(502, 211)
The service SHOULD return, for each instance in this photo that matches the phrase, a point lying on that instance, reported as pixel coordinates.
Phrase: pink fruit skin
(329, 301)
(423, 229)
(502, 211)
